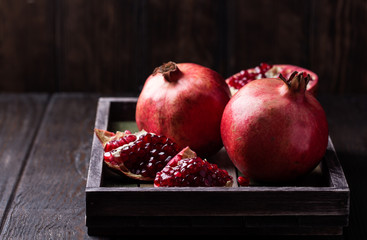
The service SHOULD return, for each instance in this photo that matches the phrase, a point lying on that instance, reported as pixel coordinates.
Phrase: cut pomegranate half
(186, 169)
(140, 155)
(264, 70)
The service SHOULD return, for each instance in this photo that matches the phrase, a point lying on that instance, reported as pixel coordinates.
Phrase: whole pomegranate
(184, 102)
(264, 70)
(274, 130)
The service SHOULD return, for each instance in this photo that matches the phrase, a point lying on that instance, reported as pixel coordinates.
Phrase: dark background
(111, 46)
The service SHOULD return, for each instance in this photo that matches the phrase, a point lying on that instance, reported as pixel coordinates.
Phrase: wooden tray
(315, 205)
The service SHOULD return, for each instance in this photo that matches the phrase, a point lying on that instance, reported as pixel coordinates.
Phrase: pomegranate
(274, 130)
(140, 155)
(187, 169)
(264, 70)
(184, 102)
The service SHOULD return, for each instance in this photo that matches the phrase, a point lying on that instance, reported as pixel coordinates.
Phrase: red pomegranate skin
(187, 109)
(271, 71)
(273, 134)
(286, 70)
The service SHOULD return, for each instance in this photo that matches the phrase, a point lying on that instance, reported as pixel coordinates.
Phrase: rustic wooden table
(45, 143)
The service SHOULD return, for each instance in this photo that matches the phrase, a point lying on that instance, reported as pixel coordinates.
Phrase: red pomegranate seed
(119, 142)
(243, 77)
(243, 181)
(108, 157)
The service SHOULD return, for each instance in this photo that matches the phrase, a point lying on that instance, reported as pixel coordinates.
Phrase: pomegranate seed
(108, 157)
(240, 79)
(243, 181)
(264, 67)
(119, 142)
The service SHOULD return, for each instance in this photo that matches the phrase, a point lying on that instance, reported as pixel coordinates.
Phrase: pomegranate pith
(142, 157)
(187, 169)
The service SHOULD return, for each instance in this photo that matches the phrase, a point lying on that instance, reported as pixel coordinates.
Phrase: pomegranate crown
(169, 71)
(296, 81)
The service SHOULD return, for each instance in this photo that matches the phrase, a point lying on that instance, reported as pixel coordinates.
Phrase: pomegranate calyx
(169, 71)
(297, 82)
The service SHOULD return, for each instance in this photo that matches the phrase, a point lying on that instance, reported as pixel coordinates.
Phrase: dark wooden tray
(315, 205)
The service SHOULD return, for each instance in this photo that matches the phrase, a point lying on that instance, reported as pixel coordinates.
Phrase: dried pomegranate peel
(186, 169)
(137, 155)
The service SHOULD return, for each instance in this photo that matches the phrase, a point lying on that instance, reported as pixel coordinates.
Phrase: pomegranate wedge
(187, 169)
(140, 155)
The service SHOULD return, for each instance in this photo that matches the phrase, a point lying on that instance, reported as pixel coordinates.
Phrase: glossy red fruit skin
(273, 134)
(187, 108)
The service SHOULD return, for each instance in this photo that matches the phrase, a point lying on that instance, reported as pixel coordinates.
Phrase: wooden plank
(20, 116)
(26, 46)
(337, 44)
(97, 43)
(337, 176)
(95, 166)
(50, 200)
(267, 31)
(223, 201)
(183, 31)
(112, 46)
(205, 225)
(112, 113)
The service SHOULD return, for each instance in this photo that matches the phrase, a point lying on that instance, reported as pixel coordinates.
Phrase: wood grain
(27, 46)
(49, 202)
(184, 31)
(266, 31)
(20, 116)
(111, 46)
(97, 46)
